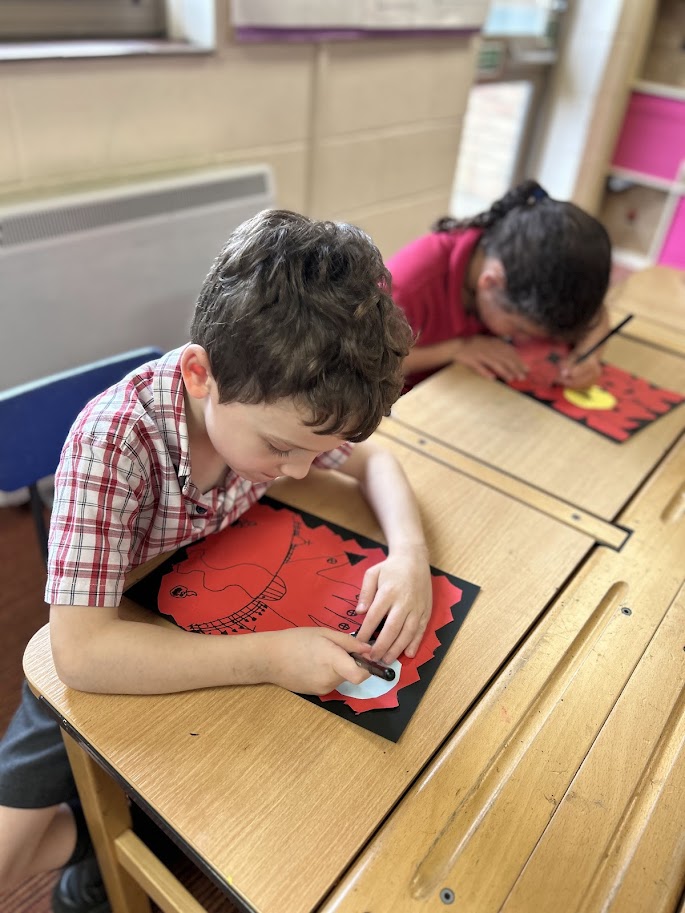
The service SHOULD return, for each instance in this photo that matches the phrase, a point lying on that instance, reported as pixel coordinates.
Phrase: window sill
(51, 50)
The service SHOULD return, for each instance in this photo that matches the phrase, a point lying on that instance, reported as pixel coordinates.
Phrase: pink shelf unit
(652, 139)
(673, 249)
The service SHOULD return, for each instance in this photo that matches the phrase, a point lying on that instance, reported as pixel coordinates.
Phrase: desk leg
(105, 807)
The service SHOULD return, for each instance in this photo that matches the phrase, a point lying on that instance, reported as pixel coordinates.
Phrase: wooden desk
(656, 298)
(273, 796)
(542, 770)
(564, 789)
(507, 435)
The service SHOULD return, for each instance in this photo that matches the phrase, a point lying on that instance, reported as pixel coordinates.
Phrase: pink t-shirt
(428, 277)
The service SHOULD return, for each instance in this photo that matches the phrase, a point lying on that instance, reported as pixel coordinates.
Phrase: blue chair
(35, 419)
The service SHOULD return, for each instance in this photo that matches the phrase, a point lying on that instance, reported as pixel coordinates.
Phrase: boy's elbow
(71, 652)
(72, 676)
(69, 666)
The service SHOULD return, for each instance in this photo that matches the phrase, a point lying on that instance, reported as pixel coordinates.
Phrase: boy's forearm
(386, 488)
(114, 656)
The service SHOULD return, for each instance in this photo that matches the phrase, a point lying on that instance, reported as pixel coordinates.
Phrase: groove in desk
(602, 531)
(586, 798)
(655, 335)
(486, 788)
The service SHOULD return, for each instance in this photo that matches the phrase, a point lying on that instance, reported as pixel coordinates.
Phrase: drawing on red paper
(618, 406)
(272, 570)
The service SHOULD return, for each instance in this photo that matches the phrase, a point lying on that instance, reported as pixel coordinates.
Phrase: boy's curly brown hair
(299, 308)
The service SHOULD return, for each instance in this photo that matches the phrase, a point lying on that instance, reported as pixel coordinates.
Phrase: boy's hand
(490, 357)
(580, 376)
(312, 660)
(398, 589)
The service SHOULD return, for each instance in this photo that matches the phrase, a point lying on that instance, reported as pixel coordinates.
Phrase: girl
(529, 267)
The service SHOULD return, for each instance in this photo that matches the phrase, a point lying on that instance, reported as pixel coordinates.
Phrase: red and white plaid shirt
(123, 491)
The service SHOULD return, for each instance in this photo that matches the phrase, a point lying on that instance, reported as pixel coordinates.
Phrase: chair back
(35, 418)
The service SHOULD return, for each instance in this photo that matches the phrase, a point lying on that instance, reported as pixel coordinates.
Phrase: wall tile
(89, 117)
(289, 167)
(368, 127)
(10, 160)
(63, 120)
(370, 84)
(233, 104)
(394, 224)
(354, 172)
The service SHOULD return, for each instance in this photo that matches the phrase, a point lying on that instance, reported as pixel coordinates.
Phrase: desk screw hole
(576, 517)
(447, 895)
(626, 611)
(422, 440)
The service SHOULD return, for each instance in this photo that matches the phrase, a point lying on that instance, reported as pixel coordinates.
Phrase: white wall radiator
(87, 276)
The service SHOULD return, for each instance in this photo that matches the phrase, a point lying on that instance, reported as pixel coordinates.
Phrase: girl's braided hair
(556, 257)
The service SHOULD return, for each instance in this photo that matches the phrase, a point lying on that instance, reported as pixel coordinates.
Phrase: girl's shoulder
(421, 258)
(431, 255)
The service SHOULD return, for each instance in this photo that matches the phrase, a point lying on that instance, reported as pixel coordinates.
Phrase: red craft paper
(638, 403)
(270, 571)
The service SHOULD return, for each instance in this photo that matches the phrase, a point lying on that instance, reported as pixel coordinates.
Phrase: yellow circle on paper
(592, 398)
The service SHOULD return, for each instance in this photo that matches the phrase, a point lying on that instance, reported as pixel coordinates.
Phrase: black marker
(375, 668)
(602, 340)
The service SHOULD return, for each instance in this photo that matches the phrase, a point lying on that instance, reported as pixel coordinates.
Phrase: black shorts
(35, 773)
(34, 766)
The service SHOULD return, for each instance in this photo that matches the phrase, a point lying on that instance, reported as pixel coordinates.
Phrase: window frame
(156, 27)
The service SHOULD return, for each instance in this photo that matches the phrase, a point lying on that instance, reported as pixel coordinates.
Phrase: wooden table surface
(656, 299)
(521, 438)
(564, 788)
(277, 795)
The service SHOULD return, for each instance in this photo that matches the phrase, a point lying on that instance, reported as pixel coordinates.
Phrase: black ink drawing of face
(181, 592)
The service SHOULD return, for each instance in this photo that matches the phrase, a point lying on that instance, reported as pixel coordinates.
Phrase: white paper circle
(373, 686)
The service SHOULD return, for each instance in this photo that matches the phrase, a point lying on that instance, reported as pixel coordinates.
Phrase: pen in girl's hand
(605, 338)
(375, 668)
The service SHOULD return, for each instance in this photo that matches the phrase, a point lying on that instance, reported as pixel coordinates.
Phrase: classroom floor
(22, 612)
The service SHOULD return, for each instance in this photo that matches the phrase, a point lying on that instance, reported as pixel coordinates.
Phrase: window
(96, 28)
(59, 20)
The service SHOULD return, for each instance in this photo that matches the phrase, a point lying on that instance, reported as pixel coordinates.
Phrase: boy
(296, 350)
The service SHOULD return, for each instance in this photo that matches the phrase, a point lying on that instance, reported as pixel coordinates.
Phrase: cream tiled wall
(366, 131)
(386, 133)
(74, 122)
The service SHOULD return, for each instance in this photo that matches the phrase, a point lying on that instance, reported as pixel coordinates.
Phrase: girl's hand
(587, 372)
(398, 589)
(490, 357)
(580, 376)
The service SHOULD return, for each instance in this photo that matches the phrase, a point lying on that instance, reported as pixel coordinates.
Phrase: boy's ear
(195, 371)
(492, 275)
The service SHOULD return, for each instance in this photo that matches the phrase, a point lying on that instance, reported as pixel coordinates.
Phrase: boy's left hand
(580, 376)
(398, 589)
